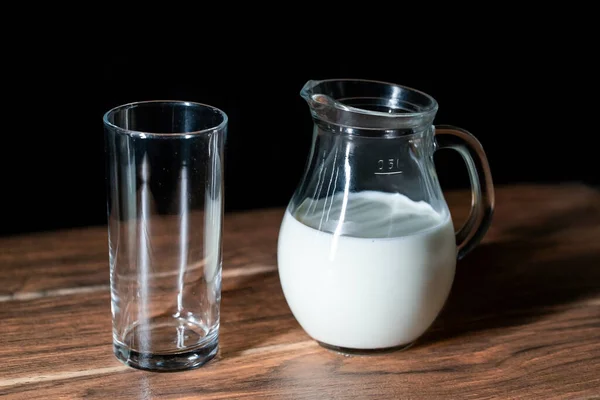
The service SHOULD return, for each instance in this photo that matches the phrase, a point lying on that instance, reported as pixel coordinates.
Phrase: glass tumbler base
(189, 359)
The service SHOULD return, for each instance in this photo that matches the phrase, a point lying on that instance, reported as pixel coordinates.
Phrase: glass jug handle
(482, 188)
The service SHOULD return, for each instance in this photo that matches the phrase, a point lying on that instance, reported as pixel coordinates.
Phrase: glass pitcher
(367, 249)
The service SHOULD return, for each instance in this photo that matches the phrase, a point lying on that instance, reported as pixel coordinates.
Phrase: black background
(516, 94)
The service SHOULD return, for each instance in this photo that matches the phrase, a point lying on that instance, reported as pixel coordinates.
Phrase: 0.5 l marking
(390, 166)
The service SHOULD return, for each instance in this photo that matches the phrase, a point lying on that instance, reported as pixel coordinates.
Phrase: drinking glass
(165, 207)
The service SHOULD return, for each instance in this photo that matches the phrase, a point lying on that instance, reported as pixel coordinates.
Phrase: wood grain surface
(522, 321)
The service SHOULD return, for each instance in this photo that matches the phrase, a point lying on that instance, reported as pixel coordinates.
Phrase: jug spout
(368, 105)
(307, 89)
(319, 94)
(318, 98)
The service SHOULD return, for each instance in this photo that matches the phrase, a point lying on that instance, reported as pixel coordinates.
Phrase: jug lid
(369, 107)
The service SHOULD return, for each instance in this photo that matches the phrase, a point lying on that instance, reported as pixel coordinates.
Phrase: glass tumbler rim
(179, 135)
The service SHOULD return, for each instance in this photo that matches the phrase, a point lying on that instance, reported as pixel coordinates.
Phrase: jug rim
(429, 107)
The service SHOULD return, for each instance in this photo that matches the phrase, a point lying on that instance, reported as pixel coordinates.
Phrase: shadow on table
(254, 315)
(514, 282)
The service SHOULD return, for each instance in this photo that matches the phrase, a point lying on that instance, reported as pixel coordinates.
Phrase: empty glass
(165, 208)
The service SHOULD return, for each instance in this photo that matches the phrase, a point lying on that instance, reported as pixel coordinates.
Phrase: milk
(376, 281)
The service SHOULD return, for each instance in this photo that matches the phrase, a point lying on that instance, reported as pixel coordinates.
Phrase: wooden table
(523, 320)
